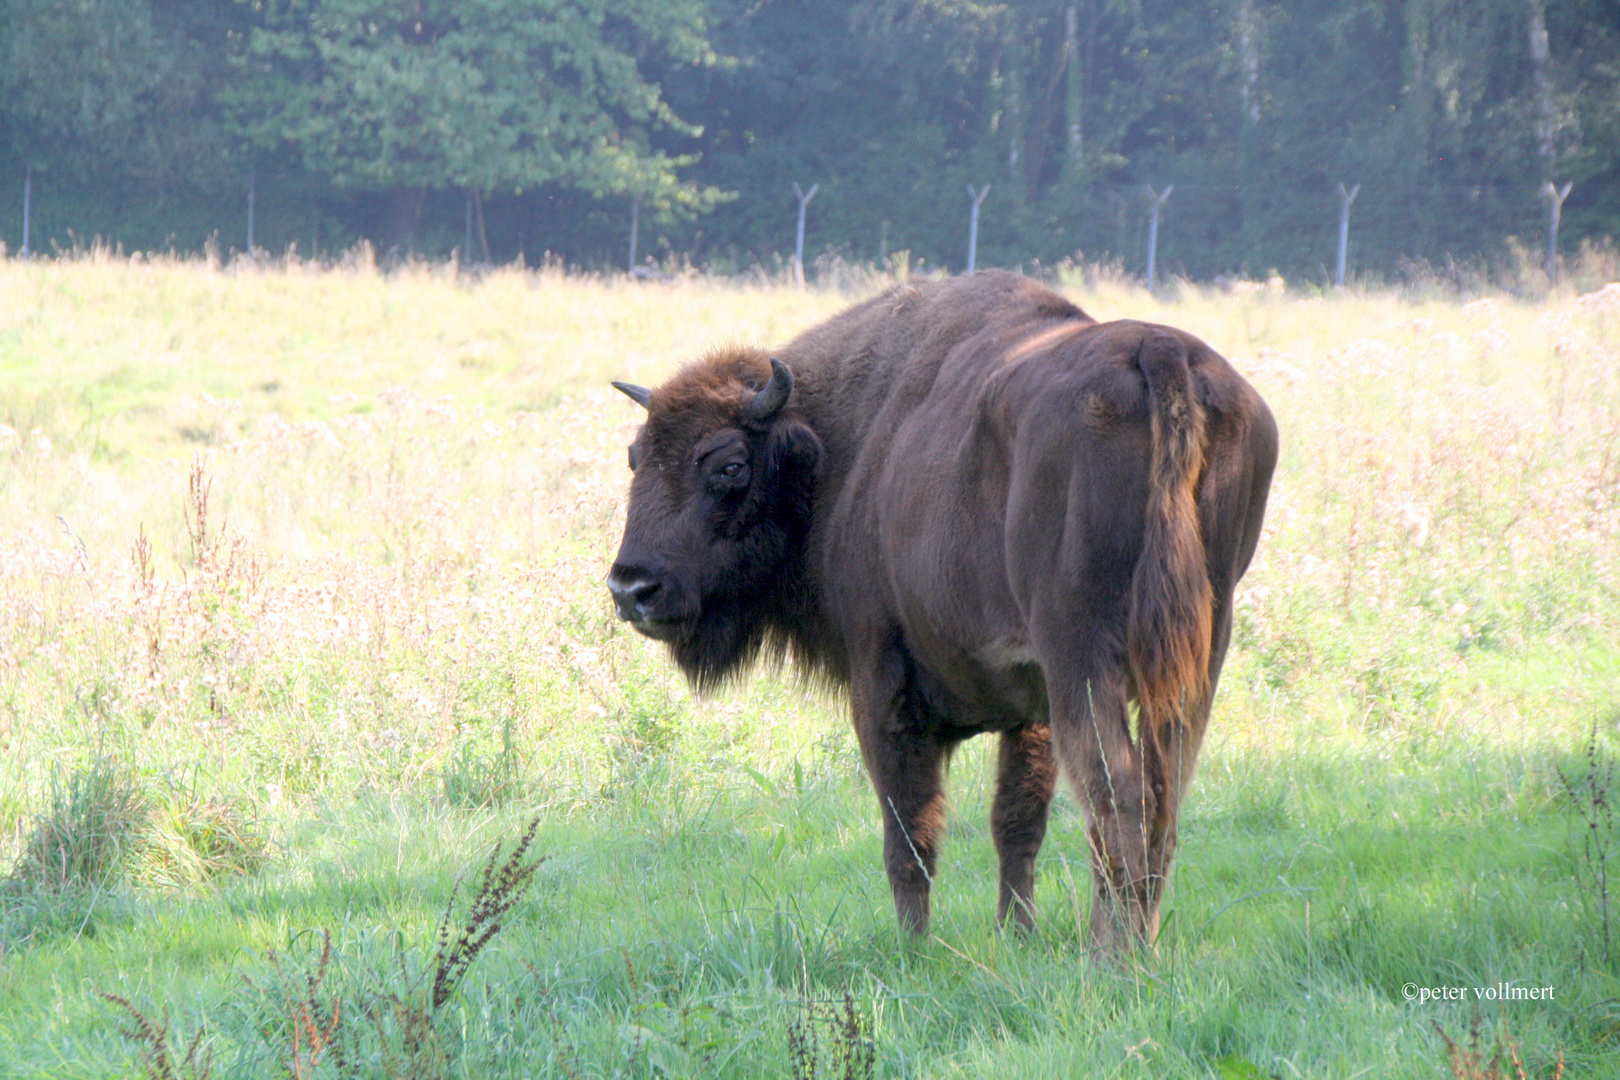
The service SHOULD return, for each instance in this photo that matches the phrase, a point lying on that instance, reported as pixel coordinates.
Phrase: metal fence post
(798, 244)
(1345, 199)
(1555, 209)
(973, 225)
(1153, 235)
(635, 227)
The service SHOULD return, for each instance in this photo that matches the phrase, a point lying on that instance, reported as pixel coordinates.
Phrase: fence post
(1153, 234)
(28, 206)
(1345, 199)
(635, 227)
(973, 225)
(798, 243)
(253, 190)
(1555, 209)
(466, 233)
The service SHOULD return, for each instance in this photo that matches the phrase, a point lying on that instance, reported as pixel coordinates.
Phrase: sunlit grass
(315, 554)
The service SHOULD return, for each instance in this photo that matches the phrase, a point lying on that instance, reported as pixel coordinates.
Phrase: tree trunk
(1412, 181)
(1013, 106)
(1415, 66)
(1546, 120)
(1249, 149)
(1071, 59)
(1249, 58)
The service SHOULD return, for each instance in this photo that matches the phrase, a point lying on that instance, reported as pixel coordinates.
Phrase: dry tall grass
(319, 529)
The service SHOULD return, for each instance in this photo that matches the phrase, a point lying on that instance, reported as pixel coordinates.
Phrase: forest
(548, 129)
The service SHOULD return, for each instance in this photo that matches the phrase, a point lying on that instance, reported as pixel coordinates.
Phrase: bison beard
(980, 511)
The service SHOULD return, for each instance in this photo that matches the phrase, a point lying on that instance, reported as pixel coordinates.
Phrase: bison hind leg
(1090, 720)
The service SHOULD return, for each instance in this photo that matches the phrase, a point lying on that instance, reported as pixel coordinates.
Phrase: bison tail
(1168, 632)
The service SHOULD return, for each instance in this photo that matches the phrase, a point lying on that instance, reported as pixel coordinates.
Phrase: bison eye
(732, 476)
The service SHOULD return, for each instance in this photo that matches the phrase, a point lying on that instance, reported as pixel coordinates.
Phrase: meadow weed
(157, 1055)
(1470, 1061)
(838, 1037)
(1592, 792)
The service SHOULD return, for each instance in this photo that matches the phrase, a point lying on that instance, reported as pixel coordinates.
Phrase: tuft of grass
(77, 851)
(197, 841)
(474, 781)
(334, 1013)
(93, 825)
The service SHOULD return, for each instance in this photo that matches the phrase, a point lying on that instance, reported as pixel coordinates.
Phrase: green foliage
(117, 87)
(1429, 106)
(495, 95)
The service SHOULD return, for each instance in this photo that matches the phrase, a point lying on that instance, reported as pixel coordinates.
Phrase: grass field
(301, 612)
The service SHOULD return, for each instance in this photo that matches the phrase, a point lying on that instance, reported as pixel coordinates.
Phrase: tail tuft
(1172, 606)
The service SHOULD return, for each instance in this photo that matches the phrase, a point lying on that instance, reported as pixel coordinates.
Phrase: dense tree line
(533, 126)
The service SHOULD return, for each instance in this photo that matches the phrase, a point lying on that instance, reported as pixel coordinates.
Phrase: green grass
(380, 645)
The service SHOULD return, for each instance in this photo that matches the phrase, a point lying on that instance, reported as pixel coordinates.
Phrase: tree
(119, 87)
(485, 95)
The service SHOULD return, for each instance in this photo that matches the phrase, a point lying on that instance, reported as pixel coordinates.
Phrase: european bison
(981, 511)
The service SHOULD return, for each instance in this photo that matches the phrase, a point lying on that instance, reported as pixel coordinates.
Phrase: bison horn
(769, 401)
(638, 394)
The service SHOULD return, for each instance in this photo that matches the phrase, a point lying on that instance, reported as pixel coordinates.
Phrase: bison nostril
(630, 596)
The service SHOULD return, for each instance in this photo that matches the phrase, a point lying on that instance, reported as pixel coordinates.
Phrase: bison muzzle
(981, 511)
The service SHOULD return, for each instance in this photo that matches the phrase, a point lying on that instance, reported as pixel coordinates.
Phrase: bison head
(720, 504)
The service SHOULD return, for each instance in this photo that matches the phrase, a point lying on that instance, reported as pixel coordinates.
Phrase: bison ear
(638, 394)
(769, 401)
(793, 459)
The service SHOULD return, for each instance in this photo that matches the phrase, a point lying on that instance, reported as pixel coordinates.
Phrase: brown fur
(982, 512)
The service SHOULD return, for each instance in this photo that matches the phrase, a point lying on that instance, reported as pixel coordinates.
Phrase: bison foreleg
(905, 751)
(912, 799)
(1024, 782)
(908, 774)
